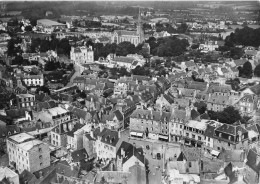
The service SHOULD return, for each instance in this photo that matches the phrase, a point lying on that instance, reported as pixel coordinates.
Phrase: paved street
(155, 166)
(78, 71)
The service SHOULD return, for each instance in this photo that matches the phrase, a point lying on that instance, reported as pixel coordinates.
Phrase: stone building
(26, 152)
(82, 55)
(151, 124)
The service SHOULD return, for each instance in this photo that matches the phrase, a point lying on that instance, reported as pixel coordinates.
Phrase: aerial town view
(130, 92)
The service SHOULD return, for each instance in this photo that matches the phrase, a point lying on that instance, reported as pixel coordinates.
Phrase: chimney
(70, 127)
(239, 136)
(123, 152)
(101, 126)
(91, 133)
(40, 174)
(65, 127)
(119, 134)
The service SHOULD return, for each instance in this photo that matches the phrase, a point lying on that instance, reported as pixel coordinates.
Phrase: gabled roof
(169, 98)
(118, 115)
(189, 154)
(252, 160)
(129, 151)
(248, 98)
(194, 114)
(109, 136)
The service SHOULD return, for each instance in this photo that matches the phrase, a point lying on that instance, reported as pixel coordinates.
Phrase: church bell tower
(140, 31)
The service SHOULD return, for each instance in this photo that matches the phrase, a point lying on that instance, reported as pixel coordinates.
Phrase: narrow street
(78, 71)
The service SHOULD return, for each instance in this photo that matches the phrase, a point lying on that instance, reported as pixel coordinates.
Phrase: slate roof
(129, 151)
(255, 127)
(247, 98)
(210, 166)
(190, 154)
(180, 114)
(169, 98)
(80, 113)
(109, 136)
(124, 59)
(201, 86)
(232, 155)
(27, 176)
(119, 115)
(79, 155)
(112, 176)
(8, 130)
(252, 160)
(256, 89)
(154, 115)
(231, 129)
(240, 62)
(65, 169)
(16, 113)
(218, 99)
(194, 114)
(190, 63)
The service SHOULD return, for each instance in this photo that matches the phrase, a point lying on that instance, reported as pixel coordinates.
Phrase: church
(135, 37)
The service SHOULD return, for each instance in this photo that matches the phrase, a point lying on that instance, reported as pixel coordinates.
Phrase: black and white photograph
(130, 92)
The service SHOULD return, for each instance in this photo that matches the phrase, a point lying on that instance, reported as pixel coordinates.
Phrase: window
(228, 144)
(193, 136)
(208, 139)
(40, 164)
(40, 149)
(40, 157)
(199, 138)
(189, 164)
(187, 134)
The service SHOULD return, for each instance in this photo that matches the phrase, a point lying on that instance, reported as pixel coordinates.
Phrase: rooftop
(48, 22)
(56, 111)
(201, 125)
(22, 137)
(30, 144)
(24, 95)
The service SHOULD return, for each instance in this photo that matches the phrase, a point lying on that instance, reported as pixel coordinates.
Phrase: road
(155, 166)
(78, 71)
(190, 39)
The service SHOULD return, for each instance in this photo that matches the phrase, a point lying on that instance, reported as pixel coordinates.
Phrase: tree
(247, 70)
(43, 89)
(125, 48)
(183, 28)
(28, 28)
(229, 115)
(257, 71)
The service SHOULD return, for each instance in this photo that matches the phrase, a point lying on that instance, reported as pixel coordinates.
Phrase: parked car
(158, 156)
